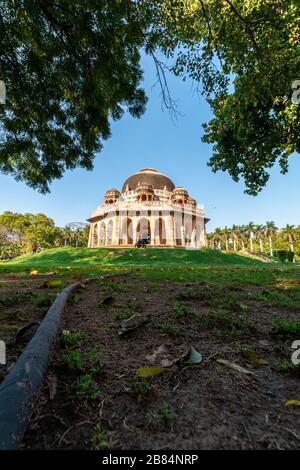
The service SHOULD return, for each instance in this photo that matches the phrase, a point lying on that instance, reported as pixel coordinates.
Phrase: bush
(282, 255)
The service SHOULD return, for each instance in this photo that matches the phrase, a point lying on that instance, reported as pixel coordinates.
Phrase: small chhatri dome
(151, 177)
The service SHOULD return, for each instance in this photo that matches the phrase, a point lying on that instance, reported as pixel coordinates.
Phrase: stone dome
(151, 177)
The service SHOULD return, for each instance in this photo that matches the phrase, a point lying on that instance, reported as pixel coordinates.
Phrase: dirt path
(205, 406)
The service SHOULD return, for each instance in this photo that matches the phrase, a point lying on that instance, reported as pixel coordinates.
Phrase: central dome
(149, 176)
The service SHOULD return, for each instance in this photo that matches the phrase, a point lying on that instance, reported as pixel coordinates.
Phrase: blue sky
(172, 147)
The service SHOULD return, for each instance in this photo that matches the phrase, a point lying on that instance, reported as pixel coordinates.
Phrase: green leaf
(150, 371)
(53, 283)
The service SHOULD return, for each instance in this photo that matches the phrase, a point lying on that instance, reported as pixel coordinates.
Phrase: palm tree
(243, 236)
(217, 237)
(250, 231)
(260, 234)
(234, 232)
(270, 231)
(289, 234)
(67, 234)
(226, 233)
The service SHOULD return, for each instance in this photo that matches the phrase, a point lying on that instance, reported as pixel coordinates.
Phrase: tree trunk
(243, 247)
(234, 245)
(251, 244)
(261, 246)
(271, 246)
(292, 250)
(226, 244)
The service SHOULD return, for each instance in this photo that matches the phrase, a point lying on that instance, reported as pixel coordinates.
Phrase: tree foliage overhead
(69, 68)
(255, 44)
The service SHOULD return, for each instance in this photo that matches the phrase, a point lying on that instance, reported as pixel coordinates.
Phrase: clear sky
(172, 147)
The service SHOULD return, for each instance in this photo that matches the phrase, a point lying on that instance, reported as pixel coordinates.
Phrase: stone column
(152, 229)
(134, 227)
(98, 233)
(169, 222)
(182, 230)
(116, 230)
(90, 236)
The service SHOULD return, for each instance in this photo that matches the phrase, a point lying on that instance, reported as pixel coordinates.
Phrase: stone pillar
(90, 236)
(169, 221)
(152, 229)
(116, 230)
(134, 227)
(182, 229)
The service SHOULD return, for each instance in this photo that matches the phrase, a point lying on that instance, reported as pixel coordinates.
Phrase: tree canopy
(71, 67)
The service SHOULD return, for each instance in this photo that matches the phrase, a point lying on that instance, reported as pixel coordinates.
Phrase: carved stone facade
(148, 207)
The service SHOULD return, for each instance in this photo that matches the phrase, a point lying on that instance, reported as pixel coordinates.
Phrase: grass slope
(93, 259)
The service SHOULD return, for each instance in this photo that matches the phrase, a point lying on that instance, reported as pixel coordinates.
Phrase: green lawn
(175, 264)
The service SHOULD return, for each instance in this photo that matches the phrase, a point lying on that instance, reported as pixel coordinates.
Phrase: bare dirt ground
(89, 401)
(24, 301)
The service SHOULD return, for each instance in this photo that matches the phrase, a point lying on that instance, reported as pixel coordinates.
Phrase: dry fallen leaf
(149, 371)
(234, 366)
(34, 272)
(292, 403)
(52, 385)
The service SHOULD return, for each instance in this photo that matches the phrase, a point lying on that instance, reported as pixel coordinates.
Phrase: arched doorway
(143, 229)
(160, 231)
(95, 236)
(109, 233)
(127, 232)
(102, 237)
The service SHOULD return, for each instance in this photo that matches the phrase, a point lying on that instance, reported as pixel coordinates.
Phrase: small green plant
(74, 298)
(284, 326)
(169, 329)
(100, 439)
(82, 387)
(141, 387)
(43, 300)
(69, 339)
(94, 362)
(161, 416)
(179, 309)
(73, 360)
(123, 315)
(226, 325)
(188, 294)
(288, 367)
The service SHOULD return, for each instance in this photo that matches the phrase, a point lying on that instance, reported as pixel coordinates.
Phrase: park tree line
(263, 239)
(20, 233)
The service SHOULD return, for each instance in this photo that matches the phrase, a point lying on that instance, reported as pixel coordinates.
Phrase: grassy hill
(153, 262)
(64, 258)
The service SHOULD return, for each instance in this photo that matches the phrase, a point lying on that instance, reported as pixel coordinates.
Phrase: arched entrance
(102, 237)
(127, 232)
(160, 231)
(143, 230)
(109, 233)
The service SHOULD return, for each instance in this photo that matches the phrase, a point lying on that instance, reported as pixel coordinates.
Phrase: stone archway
(127, 232)
(143, 229)
(102, 237)
(109, 232)
(95, 236)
